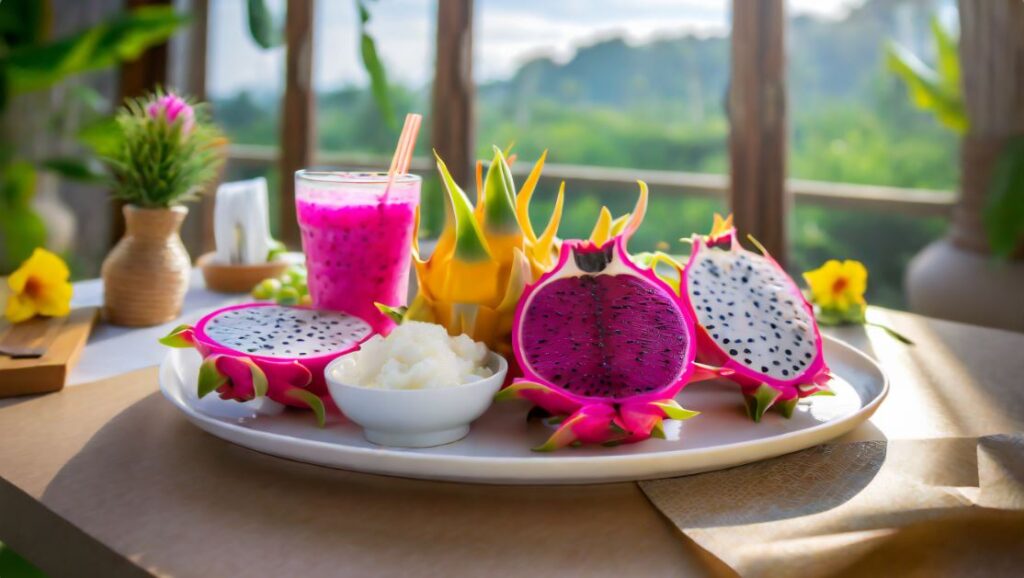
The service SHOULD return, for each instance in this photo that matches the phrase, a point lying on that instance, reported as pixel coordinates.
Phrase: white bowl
(415, 418)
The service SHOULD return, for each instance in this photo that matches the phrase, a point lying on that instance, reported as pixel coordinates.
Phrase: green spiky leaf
(470, 245)
(788, 407)
(658, 431)
(210, 378)
(396, 314)
(259, 379)
(758, 402)
(673, 410)
(310, 399)
(512, 391)
(499, 196)
(180, 337)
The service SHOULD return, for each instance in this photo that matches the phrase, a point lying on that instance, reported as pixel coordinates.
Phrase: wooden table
(107, 479)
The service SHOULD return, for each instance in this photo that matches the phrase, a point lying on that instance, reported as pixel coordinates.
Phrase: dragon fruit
(754, 321)
(604, 344)
(258, 349)
(484, 257)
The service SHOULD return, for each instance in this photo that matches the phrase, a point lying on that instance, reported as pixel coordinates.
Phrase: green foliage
(160, 163)
(14, 566)
(24, 21)
(1004, 212)
(30, 61)
(38, 66)
(21, 229)
(264, 31)
(374, 67)
(937, 90)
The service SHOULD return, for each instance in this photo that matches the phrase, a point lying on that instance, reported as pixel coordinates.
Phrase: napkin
(241, 224)
(946, 506)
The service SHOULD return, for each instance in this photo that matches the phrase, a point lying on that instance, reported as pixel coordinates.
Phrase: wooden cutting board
(63, 338)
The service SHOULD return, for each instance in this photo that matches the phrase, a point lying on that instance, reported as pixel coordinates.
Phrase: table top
(107, 476)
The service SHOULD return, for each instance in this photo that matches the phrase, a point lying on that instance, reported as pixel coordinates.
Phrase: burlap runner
(941, 494)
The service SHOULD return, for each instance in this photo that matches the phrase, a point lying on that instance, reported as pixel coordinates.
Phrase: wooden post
(757, 119)
(138, 77)
(298, 129)
(187, 74)
(196, 80)
(992, 56)
(452, 114)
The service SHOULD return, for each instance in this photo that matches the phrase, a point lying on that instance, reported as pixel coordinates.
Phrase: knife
(29, 339)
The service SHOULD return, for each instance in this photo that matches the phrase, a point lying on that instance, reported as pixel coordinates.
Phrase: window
(852, 122)
(618, 90)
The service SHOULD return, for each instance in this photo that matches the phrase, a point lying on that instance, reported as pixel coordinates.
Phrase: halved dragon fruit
(604, 344)
(755, 321)
(258, 349)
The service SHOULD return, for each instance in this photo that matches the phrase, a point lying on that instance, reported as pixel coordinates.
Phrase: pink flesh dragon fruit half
(258, 349)
(604, 345)
(754, 321)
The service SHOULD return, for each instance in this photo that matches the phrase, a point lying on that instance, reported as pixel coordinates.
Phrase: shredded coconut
(416, 355)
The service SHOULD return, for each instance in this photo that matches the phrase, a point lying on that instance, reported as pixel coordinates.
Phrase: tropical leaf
(1004, 210)
(374, 67)
(264, 31)
(947, 60)
(102, 135)
(935, 90)
(74, 168)
(24, 21)
(33, 67)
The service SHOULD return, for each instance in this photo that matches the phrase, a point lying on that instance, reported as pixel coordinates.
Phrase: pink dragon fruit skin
(760, 389)
(599, 410)
(241, 375)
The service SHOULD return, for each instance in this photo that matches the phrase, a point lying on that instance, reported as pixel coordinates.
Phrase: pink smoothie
(357, 243)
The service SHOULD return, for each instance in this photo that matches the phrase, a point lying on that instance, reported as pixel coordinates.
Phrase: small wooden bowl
(236, 278)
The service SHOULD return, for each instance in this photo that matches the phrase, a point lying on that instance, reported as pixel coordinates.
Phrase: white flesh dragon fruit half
(258, 349)
(754, 320)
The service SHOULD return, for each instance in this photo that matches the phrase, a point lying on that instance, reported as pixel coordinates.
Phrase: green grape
(288, 296)
(277, 249)
(266, 289)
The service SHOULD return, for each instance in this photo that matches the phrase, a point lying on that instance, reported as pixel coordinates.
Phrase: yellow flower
(39, 287)
(838, 286)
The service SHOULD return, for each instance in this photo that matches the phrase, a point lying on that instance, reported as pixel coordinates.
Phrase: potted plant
(166, 153)
(48, 111)
(972, 274)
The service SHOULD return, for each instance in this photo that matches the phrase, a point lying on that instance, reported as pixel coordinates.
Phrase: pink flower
(172, 107)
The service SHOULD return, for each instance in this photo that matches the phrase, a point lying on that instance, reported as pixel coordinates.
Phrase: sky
(506, 34)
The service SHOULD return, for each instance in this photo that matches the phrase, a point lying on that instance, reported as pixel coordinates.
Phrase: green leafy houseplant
(165, 153)
(939, 91)
(31, 60)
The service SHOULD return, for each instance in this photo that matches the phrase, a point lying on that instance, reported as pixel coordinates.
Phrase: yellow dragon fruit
(484, 257)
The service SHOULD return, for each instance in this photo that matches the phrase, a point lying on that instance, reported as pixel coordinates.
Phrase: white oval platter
(497, 449)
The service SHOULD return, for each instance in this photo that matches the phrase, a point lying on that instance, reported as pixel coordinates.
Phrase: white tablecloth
(114, 350)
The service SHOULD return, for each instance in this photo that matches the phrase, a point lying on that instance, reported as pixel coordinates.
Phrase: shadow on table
(180, 501)
(811, 481)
